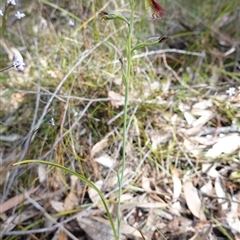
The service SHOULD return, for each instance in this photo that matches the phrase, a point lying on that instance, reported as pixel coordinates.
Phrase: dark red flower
(158, 11)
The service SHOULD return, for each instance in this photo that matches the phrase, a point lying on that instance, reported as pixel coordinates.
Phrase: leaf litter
(157, 201)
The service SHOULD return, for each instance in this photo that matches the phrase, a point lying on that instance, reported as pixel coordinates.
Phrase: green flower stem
(6, 68)
(4, 20)
(126, 81)
(82, 178)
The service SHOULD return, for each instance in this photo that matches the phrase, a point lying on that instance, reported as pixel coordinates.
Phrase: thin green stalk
(4, 20)
(126, 80)
(82, 178)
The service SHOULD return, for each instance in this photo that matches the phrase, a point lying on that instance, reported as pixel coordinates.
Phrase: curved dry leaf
(71, 201)
(200, 122)
(193, 201)
(60, 235)
(206, 116)
(105, 160)
(207, 188)
(126, 197)
(210, 170)
(99, 146)
(221, 193)
(93, 195)
(57, 206)
(42, 173)
(96, 229)
(190, 119)
(99, 228)
(116, 99)
(191, 147)
(14, 201)
(176, 208)
(74, 181)
(232, 216)
(146, 184)
(226, 145)
(204, 104)
(177, 185)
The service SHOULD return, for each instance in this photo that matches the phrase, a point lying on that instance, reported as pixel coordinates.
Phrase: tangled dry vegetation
(182, 175)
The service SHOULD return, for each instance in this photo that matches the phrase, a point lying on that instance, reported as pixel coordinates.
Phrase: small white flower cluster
(18, 63)
(20, 15)
(71, 23)
(52, 121)
(12, 2)
(231, 91)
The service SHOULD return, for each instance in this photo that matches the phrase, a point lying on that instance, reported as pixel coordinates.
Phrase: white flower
(1, 13)
(20, 15)
(231, 91)
(52, 121)
(12, 2)
(18, 63)
(71, 23)
(239, 88)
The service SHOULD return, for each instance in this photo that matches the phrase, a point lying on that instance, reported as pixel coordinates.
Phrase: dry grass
(178, 109)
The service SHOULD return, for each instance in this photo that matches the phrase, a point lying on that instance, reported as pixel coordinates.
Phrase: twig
(47, 216)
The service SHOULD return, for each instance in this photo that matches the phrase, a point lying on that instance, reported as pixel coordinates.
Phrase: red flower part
(158, 11)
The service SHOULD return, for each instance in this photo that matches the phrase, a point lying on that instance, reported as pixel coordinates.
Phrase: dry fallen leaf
(226, 145)
(93, 195)
(105, 160)
(60, 235)
(190, 119)
(176, 208)
(221, 193)
(206, 116)
(193, 201)
(207, 188)
(177, 185)
(42, 173)
(99, 146)
(192, 147)
(97, 228)
(233, 218)
(203, 104)
(126, 197)
(210, 170)
(14, 201)
(57, 206)
(71, 201)
(116, 99)
(146, 184)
